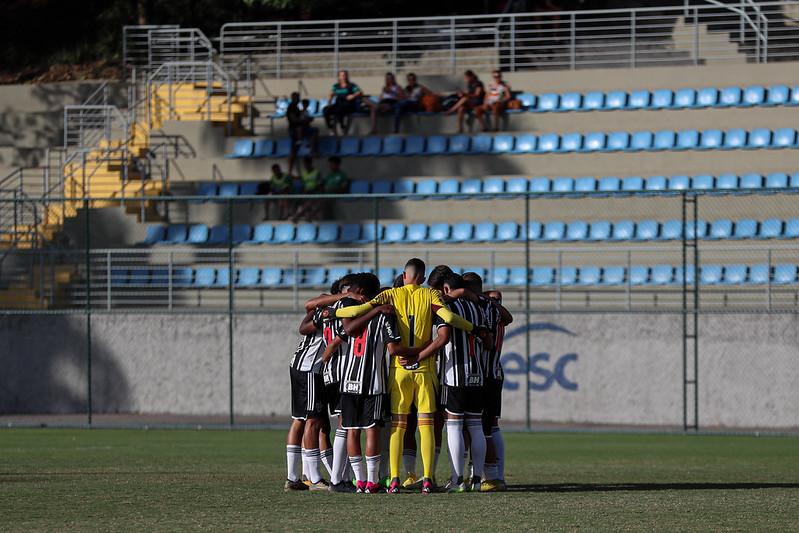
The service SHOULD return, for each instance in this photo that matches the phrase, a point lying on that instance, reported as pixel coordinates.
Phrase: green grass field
(64, 479)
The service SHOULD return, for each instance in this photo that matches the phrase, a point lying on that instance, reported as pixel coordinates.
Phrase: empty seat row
(568, 276)
(688, 98)
(418, 232)
(597, 141)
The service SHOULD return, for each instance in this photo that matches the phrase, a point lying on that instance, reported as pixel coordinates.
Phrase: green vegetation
(61, 479)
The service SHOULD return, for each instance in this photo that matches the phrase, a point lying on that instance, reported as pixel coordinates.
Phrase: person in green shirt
(280, 183)
(311, 181)
(336, 181)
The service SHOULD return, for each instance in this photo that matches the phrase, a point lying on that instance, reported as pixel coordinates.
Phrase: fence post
(87, 237)
(231, 279)
(527, 311)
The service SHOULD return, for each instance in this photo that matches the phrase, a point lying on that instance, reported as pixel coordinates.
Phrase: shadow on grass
(612, 487)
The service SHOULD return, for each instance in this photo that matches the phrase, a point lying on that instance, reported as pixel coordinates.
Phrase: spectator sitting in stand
(345, 99)
(336, 182)
(469, 99)
(280, 183)
(390, 96)
(300, 128)
(418, 98)
(496, 99)
(311, 181)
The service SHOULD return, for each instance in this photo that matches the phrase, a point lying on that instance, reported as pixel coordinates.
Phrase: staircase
(41, 288)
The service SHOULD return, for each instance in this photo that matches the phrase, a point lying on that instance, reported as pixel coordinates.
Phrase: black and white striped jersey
(461, 363)
(366, 359)
(493, 320)
(308, 356)
(331, 370)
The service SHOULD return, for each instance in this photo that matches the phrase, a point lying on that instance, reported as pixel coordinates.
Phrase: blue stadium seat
(759, 138)
(283, 233)
(485, 232)
(403, 186)
(539, 276)
(727, 182)
(753, 96)
(503, 144)
(670, 230)
(784, 274)
(328, 146)
(656, 184)
(563, 185)
(548, 102)
(528, 101)
(393, 146)
(359, 187)
(227, 190)
(499, 276)
(540, 185)
(416, 232)
(646, 230)
(567, 276)
(482, 144)
(662, 275)
(684, 99)
(439, 232)
(175, 234)
(593, 101)
(462, 232)
(263, 148)
(305, 233)
(436, 145)
(793, 99)
(494, 185)
(623, 230)
(791, 229)
(585, 184)
(139, 276)
(720, 229)
(182, 276)
(771, 228)
(609, 185)
(735, 138)
(386, 275)
(784, 138)
(270, 277)
(290, 277)
(282, 148)
(571, 142)
(395, 232)
(336, 273)
(352, 146)
(553, 231)
(218, 235)
(632, 183)
(349, 233)
(381, 187)
(248, 188)
(448, 186)
(687, 140)
(710, 274)
(248, 277)
(729, 96)
(696, 230)
(570, 102)
(710, 140)
(759, 274)
(197, 234)
(426, 187)
(458, 144)
(327, 233)
(751, 180)
(471, 186)
(576, 230)
(662, 99)
(119, 277)
(204, 277)
(746, 228)
(599, 231)
(777, 95)
(594, 141)
(640, 140)
(525, 143)
(618, 140)
(241, 148)
(534, 229)
(638, 275)
(639, 99)
(703, 182)
(241, 233)
(616, 100)
(664, 140)
(262, 234)
(549, 142)
(707, 97)
(507, 231)
(684, 276)
(159, 277)
(314, 276)
(414, 145)
(206, 189)
(613, 276)
(678, 183)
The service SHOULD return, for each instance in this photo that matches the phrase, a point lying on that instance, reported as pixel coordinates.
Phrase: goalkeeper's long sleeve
(354, 311)
(454, 320)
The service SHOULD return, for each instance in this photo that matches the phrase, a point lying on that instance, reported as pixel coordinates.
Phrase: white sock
(357, 466)
(339, 456)
(409, 459)
(499, 446)
(385, 456)
(455, 446)
(475, 427)
(314, 471)
(372, 468)
(293, 460)
(327, 460)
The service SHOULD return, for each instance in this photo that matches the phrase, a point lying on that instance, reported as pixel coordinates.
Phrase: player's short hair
(368, 283)
(343, 281)
(397, 282)
(415, 267)
(438, 276)
(472, 281)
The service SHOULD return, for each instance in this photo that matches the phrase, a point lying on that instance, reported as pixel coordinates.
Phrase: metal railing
(637, 37)
(135, 46)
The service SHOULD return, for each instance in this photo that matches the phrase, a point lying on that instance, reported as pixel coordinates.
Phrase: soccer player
(412, 379)
(461, 373)
(493, 379)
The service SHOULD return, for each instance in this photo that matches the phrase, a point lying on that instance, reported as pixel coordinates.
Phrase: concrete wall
(584, 368)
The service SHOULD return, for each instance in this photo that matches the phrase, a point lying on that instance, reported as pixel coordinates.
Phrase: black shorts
(492, 398)
(462, 400)
(361, 411)
(332, 397)
(307, 394)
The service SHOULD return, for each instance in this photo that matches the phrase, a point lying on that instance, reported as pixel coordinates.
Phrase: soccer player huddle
(386, 361)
